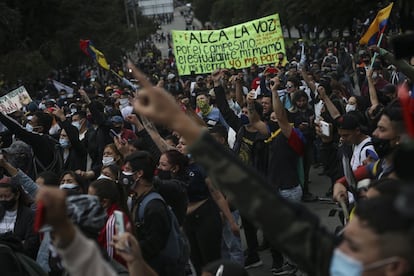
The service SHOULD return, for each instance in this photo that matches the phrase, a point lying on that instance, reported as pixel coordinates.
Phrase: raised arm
(289, 227)
(254, 117)
(333, 111)
(373, 97)
(279, 109)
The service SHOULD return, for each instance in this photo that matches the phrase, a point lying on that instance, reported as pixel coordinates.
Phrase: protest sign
(14, 100)
(238, 46)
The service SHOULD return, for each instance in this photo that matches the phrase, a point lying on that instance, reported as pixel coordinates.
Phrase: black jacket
(77, 152)
(23, 230)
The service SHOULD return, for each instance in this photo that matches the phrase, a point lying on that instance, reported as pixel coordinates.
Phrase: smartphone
(325, 128)
(119, 222)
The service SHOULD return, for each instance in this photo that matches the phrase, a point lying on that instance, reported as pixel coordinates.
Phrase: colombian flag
(88, 48)
(377, 26)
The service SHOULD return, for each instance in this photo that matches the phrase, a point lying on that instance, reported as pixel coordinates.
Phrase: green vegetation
(37, 36)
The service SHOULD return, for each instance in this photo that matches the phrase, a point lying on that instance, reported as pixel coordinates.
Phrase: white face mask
(29, 127)
(68, 186)
(76, 124)
(102, 176)
(350, 107)
(109, 160)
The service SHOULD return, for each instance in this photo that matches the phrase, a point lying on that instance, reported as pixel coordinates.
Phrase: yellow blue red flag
(377, 26)
(88, 48)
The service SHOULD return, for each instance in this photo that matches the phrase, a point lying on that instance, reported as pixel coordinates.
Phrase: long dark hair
(176, 158)
(113, 191)
(23, 200)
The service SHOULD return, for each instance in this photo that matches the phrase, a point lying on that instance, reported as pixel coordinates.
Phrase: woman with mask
(110, 172)
(72, 183)
(112, 198)
(73, 151)
(16, 216)
(203, 223)
(172, 181)
(111, 156)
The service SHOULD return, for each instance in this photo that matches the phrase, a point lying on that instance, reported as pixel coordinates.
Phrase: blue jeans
(231, 248)
(293, 194)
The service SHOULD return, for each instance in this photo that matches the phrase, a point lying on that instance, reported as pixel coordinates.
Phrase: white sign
(14, 100)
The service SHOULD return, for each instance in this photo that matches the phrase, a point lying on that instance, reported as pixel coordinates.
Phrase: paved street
(319, 184)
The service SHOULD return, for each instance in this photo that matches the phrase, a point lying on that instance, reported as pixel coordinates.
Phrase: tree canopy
(40, 35)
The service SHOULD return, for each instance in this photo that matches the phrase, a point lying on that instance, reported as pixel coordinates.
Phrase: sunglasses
(289, 86)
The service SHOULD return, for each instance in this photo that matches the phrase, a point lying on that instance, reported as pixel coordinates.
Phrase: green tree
(40, 35)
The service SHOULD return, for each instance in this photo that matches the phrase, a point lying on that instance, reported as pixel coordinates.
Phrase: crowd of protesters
(215, 152)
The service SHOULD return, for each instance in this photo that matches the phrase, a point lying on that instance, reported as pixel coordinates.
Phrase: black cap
(348, 122)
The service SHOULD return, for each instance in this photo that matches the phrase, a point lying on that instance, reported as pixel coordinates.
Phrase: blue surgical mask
(64, 143)
(344, 265)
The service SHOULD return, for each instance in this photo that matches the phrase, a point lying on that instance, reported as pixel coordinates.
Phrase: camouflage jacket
(289, 227)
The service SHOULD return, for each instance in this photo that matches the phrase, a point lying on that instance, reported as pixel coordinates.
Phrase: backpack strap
(143, 204)
(367, 144)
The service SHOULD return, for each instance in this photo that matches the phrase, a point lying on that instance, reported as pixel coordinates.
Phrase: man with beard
(386, 137)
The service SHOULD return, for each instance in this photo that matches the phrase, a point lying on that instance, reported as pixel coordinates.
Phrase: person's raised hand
(3, 160)
(368, 73)
(321, 92)
(251, 97)
(59, 113)
(155, 103)
(274, 84)
(127, 247)
(54, 202)
(84, 95)
(374, 49)
(132, 119)
(340, 193)
(217, 76)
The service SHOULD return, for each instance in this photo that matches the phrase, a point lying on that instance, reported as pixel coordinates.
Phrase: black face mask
(8, 204)
(382, 146)
(164, 175)
(127, 180)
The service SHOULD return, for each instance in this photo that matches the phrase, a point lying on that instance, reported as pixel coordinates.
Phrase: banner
(258, 41)
(14, 100)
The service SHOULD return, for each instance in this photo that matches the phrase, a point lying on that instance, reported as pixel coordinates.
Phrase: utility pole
(127, 12)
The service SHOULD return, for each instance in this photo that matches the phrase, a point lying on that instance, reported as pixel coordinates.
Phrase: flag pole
(378, 45)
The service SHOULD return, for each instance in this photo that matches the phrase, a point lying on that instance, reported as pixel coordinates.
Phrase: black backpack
(176, 251)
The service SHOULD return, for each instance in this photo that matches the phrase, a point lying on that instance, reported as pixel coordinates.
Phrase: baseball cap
(117, 119)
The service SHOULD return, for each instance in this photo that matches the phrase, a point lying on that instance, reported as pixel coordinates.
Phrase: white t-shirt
(360, 153)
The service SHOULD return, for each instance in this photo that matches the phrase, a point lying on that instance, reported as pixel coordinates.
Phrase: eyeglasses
(289, 86)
